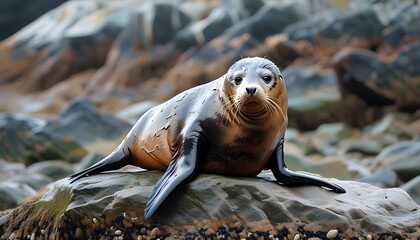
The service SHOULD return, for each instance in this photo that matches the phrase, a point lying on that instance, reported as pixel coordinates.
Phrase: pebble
(368, 237)
(135, 220)
(118, 232)
(139, 238)
(78, 233)
(95, 221)
(209, 231)
(155, 232)
(237, 225)
(332, 233)
(297, 237)
(243, 234)
(12, 236)
(314, 238)
(126, 223)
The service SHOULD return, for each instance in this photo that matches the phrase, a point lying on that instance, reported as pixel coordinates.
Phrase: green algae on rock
(111, 205)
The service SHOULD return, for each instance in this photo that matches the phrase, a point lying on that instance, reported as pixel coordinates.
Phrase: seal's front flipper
(287, 177)
(116, 160)
(180, 170)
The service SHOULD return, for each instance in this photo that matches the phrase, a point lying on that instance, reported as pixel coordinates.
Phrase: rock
(314, 98)
(334, 131)
(308, 28)
(245, 38)
(403, 158)
(54, 169)
(16, 14)
(260, 207)
(83, 32)
(78, 130)
(362, 24)
(89, 160)
(274, 18)
(34, 180)
(382, 179)
(305, 147)
(310, 83)
(8, 170)
(133, 112)
(413, 188)
(13, 130)
(11, 194)
(364, 146)
(402, 28)
(327, 167)
(328, 32)
(395, 124)
(216, 23)
(379, 82)
(144, 50)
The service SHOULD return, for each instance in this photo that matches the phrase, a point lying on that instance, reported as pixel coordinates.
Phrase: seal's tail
(116, 160)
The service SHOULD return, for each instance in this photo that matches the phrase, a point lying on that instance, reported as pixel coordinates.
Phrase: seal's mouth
(252, 104)
(252, 108)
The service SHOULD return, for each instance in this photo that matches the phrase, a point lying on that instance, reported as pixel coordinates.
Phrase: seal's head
(256, 89)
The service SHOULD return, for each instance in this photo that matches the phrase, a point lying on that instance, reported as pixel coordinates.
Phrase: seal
(234, 125)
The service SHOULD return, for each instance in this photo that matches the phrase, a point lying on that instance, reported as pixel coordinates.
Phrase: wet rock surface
(212, 206)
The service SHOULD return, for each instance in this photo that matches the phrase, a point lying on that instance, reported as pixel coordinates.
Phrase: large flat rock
(112, 204)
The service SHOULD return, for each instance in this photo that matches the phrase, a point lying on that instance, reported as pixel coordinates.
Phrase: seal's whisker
(269, 108)
(229, 108)
(273, 103)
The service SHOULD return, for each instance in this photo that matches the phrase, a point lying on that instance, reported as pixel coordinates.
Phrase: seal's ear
(179, 171)
(287, 177)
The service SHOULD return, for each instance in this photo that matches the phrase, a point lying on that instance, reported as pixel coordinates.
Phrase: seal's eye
(238, 80)
(266, 78)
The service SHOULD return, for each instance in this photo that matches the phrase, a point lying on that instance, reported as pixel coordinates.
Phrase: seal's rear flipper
(116, 160)
(287, 177)
(179, 171)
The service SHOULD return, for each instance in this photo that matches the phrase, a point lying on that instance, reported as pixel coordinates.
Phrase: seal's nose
(251, 90)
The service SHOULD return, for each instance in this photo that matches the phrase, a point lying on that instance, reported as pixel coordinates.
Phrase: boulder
(220, 19)
(413, 188)
(402, 29)
(402, 158)
(133, 112)
(14, 128)
(78, 130)
(16, 14)
(54, 169)
(244, 38)
(13, 193)
(328, 32)
(144, 50)
(314, 99)
(71, 38)
(381, 82)
(211, 206)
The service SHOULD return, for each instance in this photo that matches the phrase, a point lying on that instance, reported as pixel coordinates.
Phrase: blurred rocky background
(75, 76)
